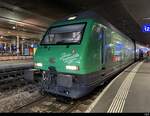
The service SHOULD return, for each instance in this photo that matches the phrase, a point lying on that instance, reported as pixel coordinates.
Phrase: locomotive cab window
(68, 34)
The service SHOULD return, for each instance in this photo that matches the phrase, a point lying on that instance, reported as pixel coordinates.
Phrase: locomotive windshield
(64, 34)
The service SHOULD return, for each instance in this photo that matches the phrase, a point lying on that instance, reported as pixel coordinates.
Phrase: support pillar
(18, 46)
(22, 48)
(10, 50)
(5, 47)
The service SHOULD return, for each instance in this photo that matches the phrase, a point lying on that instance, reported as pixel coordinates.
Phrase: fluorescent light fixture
(72, 18)
(146, 18)
(72, 68)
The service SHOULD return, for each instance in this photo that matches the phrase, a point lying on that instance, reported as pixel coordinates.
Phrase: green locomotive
(79, 52)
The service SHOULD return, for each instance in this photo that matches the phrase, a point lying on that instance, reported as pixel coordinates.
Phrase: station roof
(126, 15)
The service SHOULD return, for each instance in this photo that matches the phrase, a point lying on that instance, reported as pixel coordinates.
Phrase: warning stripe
(118, 102)
(90, 108)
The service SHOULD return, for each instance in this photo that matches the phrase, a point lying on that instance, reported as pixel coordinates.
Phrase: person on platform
(148, 56)
(141, 54)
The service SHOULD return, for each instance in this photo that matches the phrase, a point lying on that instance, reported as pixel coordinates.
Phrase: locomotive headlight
(72, 67)
(39, 64)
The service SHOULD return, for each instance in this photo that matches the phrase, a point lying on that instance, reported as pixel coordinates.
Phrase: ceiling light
(72, 18)
(146, 18)
(14, 27)
(1, 37)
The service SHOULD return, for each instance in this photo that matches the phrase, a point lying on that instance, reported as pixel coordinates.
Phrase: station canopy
(32, 18)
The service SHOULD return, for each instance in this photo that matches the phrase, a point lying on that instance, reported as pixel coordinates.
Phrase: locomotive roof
(92, 15)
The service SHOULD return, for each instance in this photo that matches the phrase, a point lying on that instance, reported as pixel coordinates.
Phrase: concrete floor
(129, 92)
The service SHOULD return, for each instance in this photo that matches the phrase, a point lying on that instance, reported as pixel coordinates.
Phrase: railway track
(30, 100)
(18, 97)
(45, 104)
(50, 103)
(12, 83)
(13, 76)
(28, 104)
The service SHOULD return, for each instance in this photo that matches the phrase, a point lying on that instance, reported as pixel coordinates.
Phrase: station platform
(8, 58)
(129, 92)
(15, 64)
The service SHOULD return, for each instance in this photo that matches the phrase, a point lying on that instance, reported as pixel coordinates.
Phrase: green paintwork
(88, 53)
(64, 55)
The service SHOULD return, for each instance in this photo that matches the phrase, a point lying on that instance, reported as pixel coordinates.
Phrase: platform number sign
(146, 28)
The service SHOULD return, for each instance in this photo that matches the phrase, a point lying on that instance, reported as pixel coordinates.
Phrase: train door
(102, 46)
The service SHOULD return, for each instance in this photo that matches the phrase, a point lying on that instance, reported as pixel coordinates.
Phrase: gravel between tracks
(20, 98)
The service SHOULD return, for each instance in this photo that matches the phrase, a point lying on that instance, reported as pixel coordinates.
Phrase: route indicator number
(146, 28)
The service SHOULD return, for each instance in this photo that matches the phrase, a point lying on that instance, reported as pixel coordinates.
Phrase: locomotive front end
(60, 57)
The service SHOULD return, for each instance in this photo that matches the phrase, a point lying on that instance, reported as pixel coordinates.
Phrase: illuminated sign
(146, 28)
